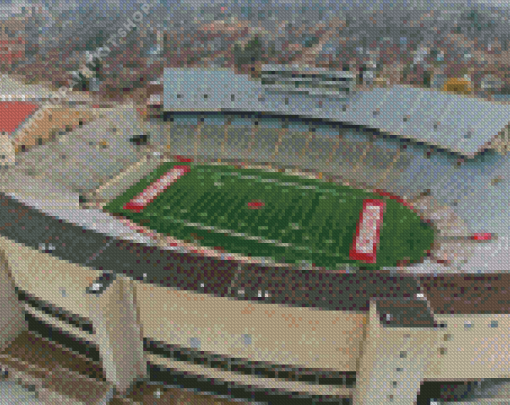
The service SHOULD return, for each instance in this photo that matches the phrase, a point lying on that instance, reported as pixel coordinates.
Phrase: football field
(288, 218)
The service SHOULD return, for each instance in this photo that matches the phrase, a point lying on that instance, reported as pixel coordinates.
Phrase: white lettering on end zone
(366, 240)
(148, 195)
(368, 230)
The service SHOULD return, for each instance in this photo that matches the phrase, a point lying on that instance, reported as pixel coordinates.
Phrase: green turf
(319, 223)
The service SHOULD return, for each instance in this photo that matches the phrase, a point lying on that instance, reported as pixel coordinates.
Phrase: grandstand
(403, 140)
(293, 334)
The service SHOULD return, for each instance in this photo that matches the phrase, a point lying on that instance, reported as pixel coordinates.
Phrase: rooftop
(14, 113)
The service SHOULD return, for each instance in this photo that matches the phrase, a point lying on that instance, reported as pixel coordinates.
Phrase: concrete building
(292, 335)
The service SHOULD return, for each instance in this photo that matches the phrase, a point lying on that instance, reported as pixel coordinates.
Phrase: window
(179, 96)
(232, 97)
(286, 101)
(205, 96)
(494, 324)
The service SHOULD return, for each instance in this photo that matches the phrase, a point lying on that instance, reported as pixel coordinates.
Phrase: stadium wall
(63, 284)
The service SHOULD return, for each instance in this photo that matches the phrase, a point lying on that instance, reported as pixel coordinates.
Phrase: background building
(492, 84)
(12, 41)
(438, 81)
(460, 85)
(313, 81)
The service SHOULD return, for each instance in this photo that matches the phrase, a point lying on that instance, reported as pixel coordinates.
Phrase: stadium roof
(461, 124)
(184, 89)
(13, 114)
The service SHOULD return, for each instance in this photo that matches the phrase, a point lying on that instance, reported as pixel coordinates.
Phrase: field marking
(282, 182)
(140, 201)
(231, 233)
(366, 240)
(368, 227)
(161, 184)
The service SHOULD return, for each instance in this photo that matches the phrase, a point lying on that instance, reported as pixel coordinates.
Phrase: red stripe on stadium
(182, 159)
(139, 202)
(481, 236)
(366, 240)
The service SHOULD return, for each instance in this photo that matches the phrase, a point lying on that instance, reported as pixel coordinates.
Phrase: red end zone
(368, 229)
(148, 195)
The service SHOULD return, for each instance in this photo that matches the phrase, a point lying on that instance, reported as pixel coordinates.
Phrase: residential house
(12, 41)
(458, 85)
(491, 83)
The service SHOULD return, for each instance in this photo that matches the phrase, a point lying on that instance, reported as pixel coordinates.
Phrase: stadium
(265, 247)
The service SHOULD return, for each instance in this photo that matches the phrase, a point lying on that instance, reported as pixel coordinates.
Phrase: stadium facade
(258, 331)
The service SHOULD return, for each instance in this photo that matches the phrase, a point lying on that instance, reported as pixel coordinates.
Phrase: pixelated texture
(419, 84)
